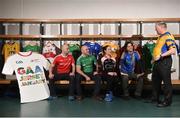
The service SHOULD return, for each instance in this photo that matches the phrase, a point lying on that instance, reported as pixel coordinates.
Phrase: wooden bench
(65, 82)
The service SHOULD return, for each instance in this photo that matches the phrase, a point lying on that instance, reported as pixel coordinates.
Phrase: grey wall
(89, 8)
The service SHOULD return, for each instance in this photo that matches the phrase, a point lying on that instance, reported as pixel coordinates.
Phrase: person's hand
(110, 73)
(157, 58)
(71, 74)
(95, 73)
(152, 61)
(51, 76)
(87, 78)
(115, 74)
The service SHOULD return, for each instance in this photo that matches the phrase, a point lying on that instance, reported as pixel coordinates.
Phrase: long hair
(126, 44)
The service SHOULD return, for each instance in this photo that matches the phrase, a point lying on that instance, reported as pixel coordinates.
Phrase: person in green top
(85, 71)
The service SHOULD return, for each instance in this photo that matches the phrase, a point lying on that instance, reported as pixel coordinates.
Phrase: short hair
(162, 24)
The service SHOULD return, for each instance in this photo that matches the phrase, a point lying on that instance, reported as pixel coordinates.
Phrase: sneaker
(111, 94)
(52, 97)
(71, 98)
(108, 98)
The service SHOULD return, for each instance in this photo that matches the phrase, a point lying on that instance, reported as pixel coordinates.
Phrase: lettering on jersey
(19, 62)
(31, 76)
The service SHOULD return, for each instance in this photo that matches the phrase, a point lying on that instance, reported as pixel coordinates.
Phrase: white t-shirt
(29, 71)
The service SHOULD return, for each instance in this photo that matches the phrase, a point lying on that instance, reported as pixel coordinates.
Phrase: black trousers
(65, 76)
(111, 81)
(125, 84)
(97, 86)
(162, 72)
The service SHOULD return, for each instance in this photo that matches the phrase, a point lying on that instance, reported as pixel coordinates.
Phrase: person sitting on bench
(65, 70)
(84, 68)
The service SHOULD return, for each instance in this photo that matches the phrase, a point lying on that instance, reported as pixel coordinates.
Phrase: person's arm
(73, 67)
(95, 63)
(78, 70)
(137, 56)
(51, 75)
(73, 70)
(171, 51)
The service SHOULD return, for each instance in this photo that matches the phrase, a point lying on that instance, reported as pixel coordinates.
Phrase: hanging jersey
(147, 57)
(49, 52)
(87, 63)
(29, 71)
(109, 64)
(114, 48)
(75, 50)
(127, 62)
(94, 48)
(164, 42)
(64, 64)
(150, 47)
(10, 49)
(34, 48)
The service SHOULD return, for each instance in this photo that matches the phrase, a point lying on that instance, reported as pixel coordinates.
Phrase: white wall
(89, 8)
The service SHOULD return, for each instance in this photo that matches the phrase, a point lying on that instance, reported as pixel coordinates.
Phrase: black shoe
(163, 104)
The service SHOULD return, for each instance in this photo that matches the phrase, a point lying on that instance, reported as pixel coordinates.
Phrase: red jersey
(64, 63)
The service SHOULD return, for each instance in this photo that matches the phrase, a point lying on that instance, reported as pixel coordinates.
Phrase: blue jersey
(94, 48)
(127, 62)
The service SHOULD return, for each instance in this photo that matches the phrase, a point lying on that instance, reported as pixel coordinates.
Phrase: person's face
(85, 50)
(65, 49)
(135, 46)
(129, 47)
(108, 50)
(158, 29)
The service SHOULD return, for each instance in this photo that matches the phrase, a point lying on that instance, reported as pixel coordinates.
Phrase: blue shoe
(52, 97)
(71, 98)
(111, 94)
(108, 98)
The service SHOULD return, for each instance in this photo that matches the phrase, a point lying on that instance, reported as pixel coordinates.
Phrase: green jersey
(74, 47)
(35, 48)
(87, 63)
(150, 47)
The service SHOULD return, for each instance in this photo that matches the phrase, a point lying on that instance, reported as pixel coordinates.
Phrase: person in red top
(65, 69)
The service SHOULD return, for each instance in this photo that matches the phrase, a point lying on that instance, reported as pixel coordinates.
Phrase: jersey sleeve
(17, 47)
(8, 67)
(170, 43)
(73, 61)
(137, 56)
(55, 60)
(78, 62)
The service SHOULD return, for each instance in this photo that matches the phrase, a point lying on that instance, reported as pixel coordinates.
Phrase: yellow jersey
(164, 42)
(10, 49)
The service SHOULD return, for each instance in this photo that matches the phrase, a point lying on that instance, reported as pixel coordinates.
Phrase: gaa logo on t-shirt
(19, 62)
